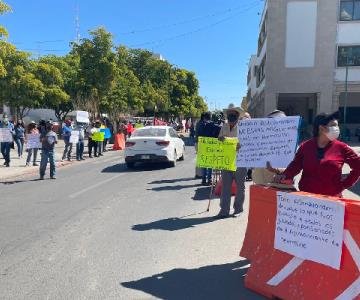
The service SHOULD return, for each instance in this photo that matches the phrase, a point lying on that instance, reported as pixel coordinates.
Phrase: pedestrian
(66, 133)
(207, 129)
(130, 129)
(31, 129)
(230, 130)
(192, 133)
(247, 116)
(48, 141)
(92, 145)
(19, 137)
(100, 142)
(321, 160)
(6, 146)
(80, 144)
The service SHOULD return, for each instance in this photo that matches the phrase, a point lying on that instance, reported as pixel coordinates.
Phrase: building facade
(306, 51)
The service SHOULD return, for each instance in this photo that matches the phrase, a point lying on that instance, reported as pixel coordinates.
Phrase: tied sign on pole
(270, 139)
(74, 137)
(310, 228)
(213, 154)
(6, 135)
(33, 141)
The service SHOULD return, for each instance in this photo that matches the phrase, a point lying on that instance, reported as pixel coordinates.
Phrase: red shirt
(324, 176)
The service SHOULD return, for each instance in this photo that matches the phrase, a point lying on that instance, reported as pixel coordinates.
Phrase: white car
(154, 144)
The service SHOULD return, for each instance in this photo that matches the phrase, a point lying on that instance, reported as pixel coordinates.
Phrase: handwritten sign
(310, 228)
(98, 136)
(74, 137)
(5, 135)
(214, 154)
(33, 141)
(271, 139)
(82, 116)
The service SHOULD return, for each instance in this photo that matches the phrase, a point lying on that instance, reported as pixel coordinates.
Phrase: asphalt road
(102, 232)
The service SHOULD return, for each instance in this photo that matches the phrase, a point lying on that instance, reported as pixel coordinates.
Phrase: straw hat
(232, 107)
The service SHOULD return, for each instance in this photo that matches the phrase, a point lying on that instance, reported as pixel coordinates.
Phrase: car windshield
(149, 132)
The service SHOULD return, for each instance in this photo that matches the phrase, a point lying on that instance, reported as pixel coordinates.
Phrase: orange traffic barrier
(119, 142)
(276, 274)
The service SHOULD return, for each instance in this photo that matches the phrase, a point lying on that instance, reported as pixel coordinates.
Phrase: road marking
(74, 195)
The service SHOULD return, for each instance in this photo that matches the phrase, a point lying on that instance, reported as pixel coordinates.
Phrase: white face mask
(333, 133)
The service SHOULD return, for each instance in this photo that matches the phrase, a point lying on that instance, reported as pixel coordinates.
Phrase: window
(173, 133)
(260, 72)
(349, 10)
(262, 35)
(146, 132)
(348, 56)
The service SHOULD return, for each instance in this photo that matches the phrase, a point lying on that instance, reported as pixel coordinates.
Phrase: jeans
(5, 151)
(92, 145)
(20, 145)
(79, 150)
(67, 151)
(30, 152)
(100, 147)
(206, 174)
(47, 155)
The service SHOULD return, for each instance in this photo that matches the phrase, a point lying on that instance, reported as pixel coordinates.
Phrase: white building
(300, 66)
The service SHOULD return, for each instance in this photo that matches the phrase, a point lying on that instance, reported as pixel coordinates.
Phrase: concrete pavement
(101, 232)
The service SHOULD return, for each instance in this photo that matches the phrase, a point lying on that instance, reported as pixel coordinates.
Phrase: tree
(96, 69)
(54, 96)
(4, 8)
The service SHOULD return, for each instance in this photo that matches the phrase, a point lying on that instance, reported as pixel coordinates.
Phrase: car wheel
(173, 163)
(130, 165)
(182, 158)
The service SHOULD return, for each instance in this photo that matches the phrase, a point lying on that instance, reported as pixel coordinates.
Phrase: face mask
(333, 133)
(232, 118)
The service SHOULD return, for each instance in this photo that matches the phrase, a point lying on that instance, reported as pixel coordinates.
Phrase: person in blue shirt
(6, 146)
(66, 133)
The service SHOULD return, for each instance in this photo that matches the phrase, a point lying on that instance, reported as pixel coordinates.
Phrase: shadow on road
(121, 168)
(211, 282)
(173, 224)
(172, 180)
(172, 187)
(10, 182)
(202, 193)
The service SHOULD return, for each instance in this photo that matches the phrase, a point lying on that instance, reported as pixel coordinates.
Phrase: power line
(165, 26)
(162, 41)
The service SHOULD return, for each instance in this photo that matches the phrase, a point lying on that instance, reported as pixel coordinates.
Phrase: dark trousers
(92, 145)
(5, 151)
(80, 150)
(47, 156)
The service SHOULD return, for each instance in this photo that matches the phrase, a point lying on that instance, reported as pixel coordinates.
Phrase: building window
(262, 35)
(349, 10)
(348, 56)
(260, 75)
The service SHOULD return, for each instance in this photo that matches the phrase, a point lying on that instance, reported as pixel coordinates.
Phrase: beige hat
(232, 107)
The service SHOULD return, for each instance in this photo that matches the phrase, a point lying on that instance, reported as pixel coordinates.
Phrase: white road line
(74, 195)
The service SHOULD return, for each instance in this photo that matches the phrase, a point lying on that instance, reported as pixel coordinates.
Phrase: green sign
(213, 154)
(98, 136)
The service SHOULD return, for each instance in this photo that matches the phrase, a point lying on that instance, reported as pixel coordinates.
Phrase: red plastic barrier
(218, 188)
(276, 274)
(119, 142)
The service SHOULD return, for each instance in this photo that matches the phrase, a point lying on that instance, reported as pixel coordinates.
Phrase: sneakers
(41, 177)
(221, 216)
(35, 164)
(52, 177)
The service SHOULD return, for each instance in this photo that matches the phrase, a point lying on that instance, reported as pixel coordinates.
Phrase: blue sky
(212, 38)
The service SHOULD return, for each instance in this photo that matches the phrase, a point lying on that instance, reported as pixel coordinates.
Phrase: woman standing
(321, 159)
(19, 137)
(31, 129)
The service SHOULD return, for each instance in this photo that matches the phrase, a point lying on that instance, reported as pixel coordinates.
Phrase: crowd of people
(319, 159)
(48, 138)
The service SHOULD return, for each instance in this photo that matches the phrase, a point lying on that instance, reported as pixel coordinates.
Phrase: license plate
(145, 156)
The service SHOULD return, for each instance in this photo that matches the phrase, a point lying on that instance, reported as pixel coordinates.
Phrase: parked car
(154, 144)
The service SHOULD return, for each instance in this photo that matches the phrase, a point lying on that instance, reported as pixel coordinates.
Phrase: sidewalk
(18, 166)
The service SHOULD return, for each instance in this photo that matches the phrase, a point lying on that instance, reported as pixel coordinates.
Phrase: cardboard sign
(107, 132)
(82, 117)
(98, 136)
(6, 135)
(213, 154)
(74, 137)
(33, 141)
(270, 139)
(310, 228)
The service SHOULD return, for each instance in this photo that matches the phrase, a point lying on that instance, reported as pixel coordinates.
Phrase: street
(102, 232)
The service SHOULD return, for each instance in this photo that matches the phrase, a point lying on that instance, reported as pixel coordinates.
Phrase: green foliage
(98, 77)
(4, 8)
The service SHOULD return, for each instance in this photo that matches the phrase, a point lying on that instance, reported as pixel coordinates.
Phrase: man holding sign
(230, 130)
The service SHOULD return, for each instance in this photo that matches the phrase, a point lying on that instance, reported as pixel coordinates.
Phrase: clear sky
(213, 38)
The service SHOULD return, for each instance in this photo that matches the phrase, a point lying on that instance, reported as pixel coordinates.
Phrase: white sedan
(154, 144)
